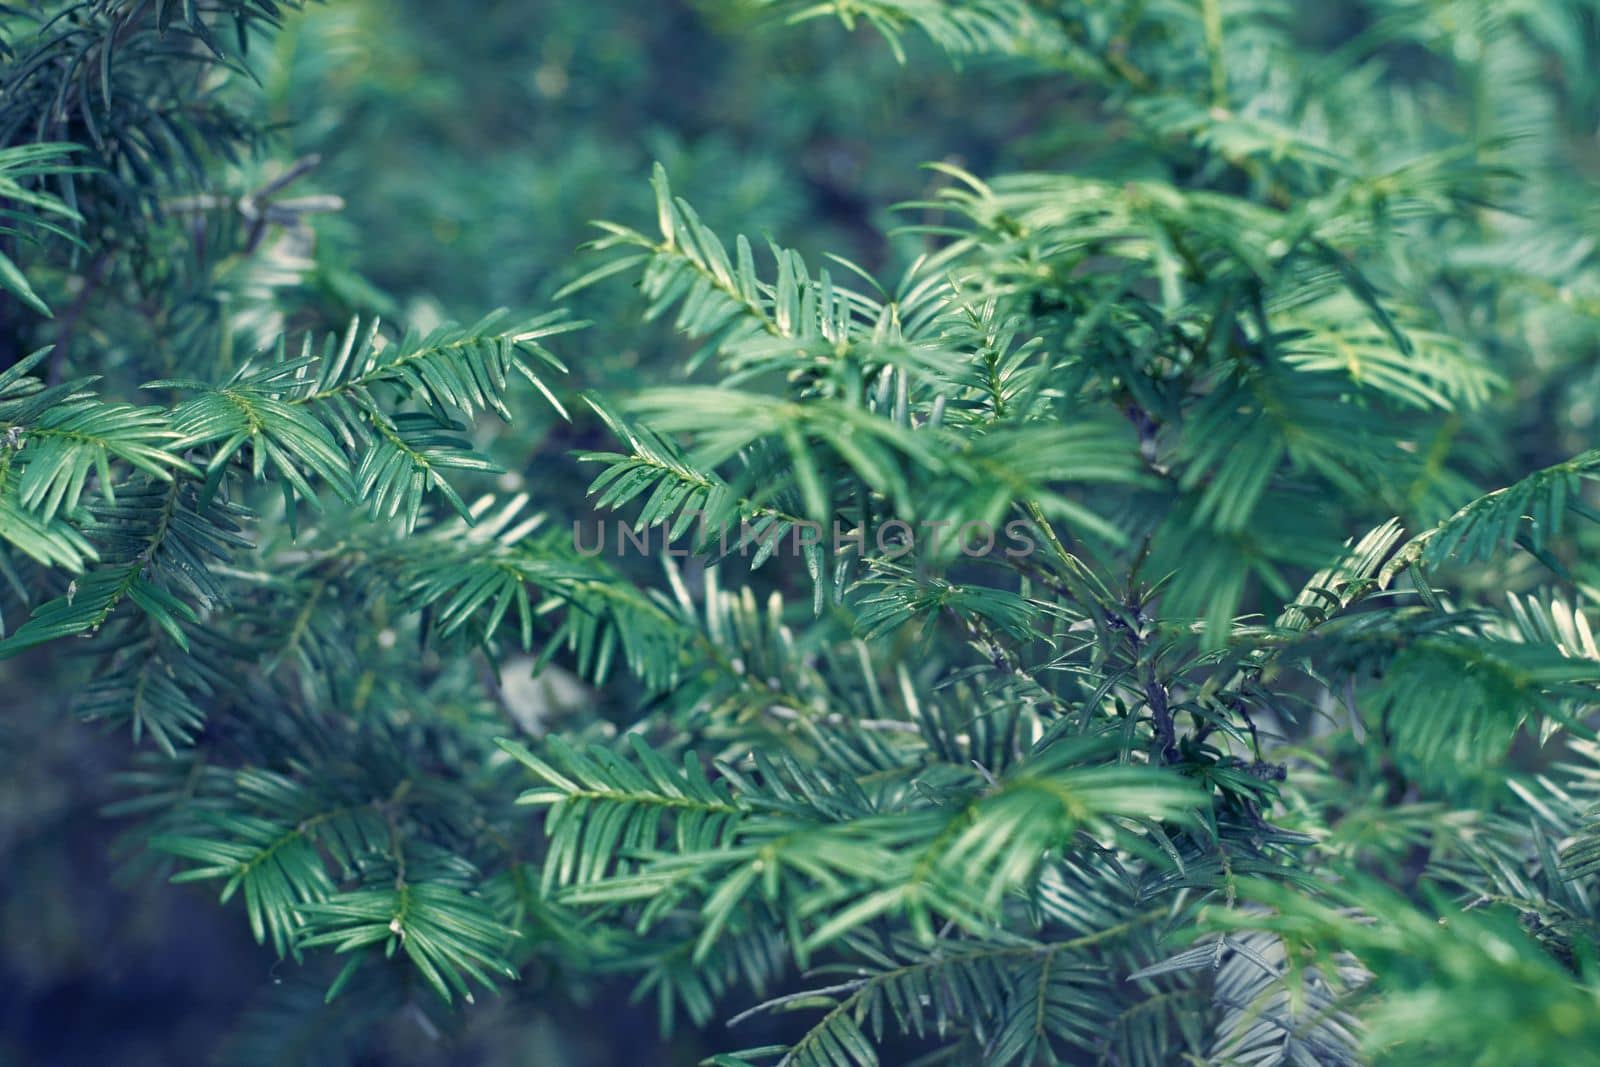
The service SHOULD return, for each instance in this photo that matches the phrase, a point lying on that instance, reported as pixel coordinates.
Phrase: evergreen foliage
(1260, 731)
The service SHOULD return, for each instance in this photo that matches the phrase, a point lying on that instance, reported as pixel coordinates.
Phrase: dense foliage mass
(1117, 595)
